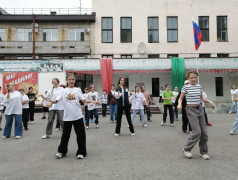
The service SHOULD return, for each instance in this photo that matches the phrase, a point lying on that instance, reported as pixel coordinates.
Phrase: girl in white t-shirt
(45, 108)
(232, 91)
(72, 117)
(25, 109)
(13, 102)
(92, 107)
(137, 104)
(54, 109)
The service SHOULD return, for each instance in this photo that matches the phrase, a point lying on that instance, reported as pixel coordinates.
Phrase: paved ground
(153, 153)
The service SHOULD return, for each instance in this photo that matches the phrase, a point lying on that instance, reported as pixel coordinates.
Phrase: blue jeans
(233, 105)
(175, 111)
(95, 112)
(141, 114)
(235, 125)
(113, 110)
(8, 125)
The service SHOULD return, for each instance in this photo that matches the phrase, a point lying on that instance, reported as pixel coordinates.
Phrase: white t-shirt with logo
(13, 104)
(93, 96)
(137, 101)
(57, 92)
(72, 107)
(176, 95)
(1, 100)
(25, 98)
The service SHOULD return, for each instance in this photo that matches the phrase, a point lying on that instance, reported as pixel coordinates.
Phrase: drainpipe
(33, 41)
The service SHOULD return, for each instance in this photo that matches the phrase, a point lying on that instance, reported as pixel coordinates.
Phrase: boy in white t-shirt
(104, 103)
(1, 107)
(25, 109)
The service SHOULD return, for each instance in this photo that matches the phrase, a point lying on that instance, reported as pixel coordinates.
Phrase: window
(172, 29)
(172, 55)
(204, 55)
(50, 57)
(76, 57)
(222, 29)
(83, 81)
(107, 30)
(126, 30)
(153, 32)
(50, 34)
(76, 34)
(2, 57)
(204, 27)
(107, 56)
(155, 87)
(24, 35)
(2, 35)
(219, 86)
(151, 56)
(24, 57)
(126, 56)
(223, 55)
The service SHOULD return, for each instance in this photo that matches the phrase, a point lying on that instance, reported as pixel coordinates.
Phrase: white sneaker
(162, 123)
(87, 127)
(132, 134)
(232, 133)
(97, 126)
(187, 154)
(204, 156)
(79, 156)
(4, 137)
(18, 137)
(116, 134)
(31, 122)
(111, 121)
(57, 129)
(172, 125)
(229, 112)
(45, 136)
(145, 125)
(128, 125)
(59, 155)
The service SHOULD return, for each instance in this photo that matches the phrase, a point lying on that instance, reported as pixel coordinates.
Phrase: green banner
(178, 73)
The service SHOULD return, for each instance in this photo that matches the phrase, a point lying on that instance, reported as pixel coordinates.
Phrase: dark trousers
(147, 111)
(171, 115)
(104, 109)
(25, 116)
(128, 117)
(205, 114)
(85, 113)
(31, 111)
(160, 99)
(186, 123)
(80, 133)
(90, 113)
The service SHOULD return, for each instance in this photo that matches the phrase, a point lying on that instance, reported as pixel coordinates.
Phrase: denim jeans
(175, 111)
(95, 112)
(104, 109)
(141, 114)
(113, 110)
(233, 106)
(235, 125)
(8, 125)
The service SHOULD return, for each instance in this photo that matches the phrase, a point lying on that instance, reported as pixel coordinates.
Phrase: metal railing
(48, 11)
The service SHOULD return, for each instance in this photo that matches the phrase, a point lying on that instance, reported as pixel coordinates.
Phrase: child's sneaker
(97, 126)
(204, 156)
(145, 125)
(116, 134)
(162, 123)
(232, 133)
(59, 155)
(79, 156)
(187, 154)
(87, 127)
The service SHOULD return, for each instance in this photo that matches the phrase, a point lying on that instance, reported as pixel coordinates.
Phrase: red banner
(21, 80)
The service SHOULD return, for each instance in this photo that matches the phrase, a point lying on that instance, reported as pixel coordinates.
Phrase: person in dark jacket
(32, 99)
(184, 114)
(123, 104)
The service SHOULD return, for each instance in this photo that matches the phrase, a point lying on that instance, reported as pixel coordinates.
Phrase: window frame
(4, 34)
(50, 34)
(125, 29)
(204, 29)
(205, 55)
(157, 30)
(128, 56)
(102, 30)
(80, 30)
(24, 33)
(152, 56)
(107, 56)
(172, 29)
(220, 29)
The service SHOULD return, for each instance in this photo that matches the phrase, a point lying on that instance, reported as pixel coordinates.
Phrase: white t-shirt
(57, 92)
(14, 103)
(85, 95)
(160, 92)
(232, 92)
(25, 98)
(45, 103)
(137, 101)
(72, 107)
(204, 95)
(93, 96)
(176, 95)
(1, 100)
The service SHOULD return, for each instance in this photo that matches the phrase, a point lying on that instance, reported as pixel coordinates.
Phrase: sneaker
(145, 125)
(232, 133)
(92, 120)
(26, 129)
(57, 129)
(132, 134)
(162, 123)
(97, 126)
(79, 156)
(31, 122)
(172, 125)
(87, 127)
(208, 124)
(18, 137)
(128, 125)
(59, 155)
(45, 136)
(187, 154)
(111, 121)
(116, 134)
(204, 156)
(43, 117)
(4, 137)
(229, 112)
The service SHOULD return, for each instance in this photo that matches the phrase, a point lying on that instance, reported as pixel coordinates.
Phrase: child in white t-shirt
(137, 104)
(104, 103)
(45, 108)
(25, 109)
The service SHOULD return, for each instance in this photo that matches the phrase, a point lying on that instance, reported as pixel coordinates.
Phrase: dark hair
(192, 72)
(120, 80)
(70, 74)
(113, 85)
(22, 90)
(91, 85)
(142, 87)
(30, 88)
(104, 90)
(166, 85)
(56, 80)
(86, 88)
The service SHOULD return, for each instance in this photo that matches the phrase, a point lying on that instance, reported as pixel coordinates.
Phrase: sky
(44, 3)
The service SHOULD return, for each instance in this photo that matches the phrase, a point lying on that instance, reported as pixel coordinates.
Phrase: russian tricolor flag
(197, 35)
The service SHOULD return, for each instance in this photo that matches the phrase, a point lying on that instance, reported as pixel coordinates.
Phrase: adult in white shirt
(232, 91)
(175, 93)
(25, 109)
(72, 116)
(54, 109)
(1, 107)
(137, 104)
(13, 102)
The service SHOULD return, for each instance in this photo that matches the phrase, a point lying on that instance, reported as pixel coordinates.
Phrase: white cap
(186, 81)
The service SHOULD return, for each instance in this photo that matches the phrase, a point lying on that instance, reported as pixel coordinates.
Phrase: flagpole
(197, 66)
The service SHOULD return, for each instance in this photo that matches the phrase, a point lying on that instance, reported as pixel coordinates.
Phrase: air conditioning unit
(36, 30)
(87, 30)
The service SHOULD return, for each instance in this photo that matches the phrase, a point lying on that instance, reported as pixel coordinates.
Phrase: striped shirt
(192, 93)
